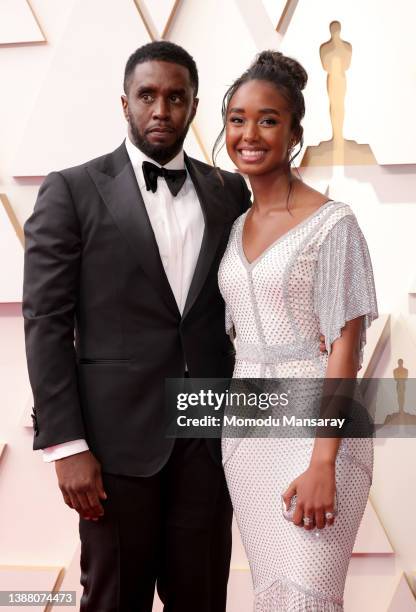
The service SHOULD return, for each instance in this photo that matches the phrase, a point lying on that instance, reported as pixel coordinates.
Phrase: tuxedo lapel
(119, 189)
(211, 198)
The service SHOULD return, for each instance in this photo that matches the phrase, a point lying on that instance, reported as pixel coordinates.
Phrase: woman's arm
(315, 488)
(343, 362)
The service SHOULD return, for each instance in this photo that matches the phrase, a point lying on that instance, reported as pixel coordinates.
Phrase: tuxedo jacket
(103, 330)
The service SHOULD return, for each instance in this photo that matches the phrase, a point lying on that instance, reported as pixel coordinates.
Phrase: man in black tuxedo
(120, 293)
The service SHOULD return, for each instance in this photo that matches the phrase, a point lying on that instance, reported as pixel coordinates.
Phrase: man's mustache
(160, 128)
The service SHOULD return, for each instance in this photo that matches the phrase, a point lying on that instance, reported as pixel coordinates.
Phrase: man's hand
(322, 346)
(79, 478)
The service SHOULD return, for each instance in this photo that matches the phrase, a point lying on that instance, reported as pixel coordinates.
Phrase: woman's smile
(250, 155)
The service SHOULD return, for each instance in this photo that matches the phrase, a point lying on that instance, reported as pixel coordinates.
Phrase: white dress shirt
(178, 226)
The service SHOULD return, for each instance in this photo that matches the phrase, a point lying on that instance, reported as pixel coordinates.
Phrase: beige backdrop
(61, 66)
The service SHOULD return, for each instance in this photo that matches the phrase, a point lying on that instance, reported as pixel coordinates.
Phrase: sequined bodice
(281, 302)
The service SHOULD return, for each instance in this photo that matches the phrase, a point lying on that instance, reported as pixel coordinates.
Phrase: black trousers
(172, 529)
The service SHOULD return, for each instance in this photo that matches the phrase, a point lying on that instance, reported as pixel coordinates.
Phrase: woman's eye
(268, 121)
(236, 120)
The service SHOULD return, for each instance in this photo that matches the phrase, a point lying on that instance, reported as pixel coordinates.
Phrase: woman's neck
(271, 191)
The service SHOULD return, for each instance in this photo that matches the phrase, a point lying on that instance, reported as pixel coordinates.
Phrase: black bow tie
(174, 178)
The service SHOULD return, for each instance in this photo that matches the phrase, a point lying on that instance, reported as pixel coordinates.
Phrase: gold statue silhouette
(401, 417)
(336, 59)
(400, 374)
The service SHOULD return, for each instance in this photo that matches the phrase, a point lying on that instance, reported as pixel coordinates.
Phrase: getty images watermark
(219, 401)
(216, 408)
(291, 407)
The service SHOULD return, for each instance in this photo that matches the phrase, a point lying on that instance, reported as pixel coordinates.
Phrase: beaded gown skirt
(313, 279)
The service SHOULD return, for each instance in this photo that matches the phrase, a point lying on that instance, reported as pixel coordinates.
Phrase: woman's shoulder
(337, 213)
(236, 226)
(313, 200)
(320, 205)
(340, 226)
(240, 219)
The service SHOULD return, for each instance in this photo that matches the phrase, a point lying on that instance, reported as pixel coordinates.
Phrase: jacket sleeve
(50, 290)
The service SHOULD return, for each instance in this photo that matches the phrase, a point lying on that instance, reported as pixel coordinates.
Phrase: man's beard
(159, 153)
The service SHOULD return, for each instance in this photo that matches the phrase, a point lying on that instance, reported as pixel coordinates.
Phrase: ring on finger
(329, 516)
(307, 520)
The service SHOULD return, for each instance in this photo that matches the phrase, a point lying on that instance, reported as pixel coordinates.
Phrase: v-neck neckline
(251, 264)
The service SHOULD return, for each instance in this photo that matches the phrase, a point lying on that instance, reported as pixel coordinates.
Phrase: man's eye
(146, 98)
(176, 98)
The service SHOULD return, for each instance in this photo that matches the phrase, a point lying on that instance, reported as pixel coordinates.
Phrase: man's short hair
(162, 51)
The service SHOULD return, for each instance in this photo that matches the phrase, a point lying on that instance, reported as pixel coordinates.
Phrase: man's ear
(125, 105)
(194, 107)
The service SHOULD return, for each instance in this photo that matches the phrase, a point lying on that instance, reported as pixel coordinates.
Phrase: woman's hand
(315, 491)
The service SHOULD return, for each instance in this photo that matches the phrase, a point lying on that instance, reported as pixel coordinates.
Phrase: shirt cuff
(59, 451)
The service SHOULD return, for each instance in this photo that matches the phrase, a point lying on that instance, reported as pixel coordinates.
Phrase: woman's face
(258, 130)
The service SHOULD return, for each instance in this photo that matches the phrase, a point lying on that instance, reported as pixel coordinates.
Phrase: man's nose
(161, 109)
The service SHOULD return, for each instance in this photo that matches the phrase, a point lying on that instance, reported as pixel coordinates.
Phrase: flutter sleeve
(344, 284)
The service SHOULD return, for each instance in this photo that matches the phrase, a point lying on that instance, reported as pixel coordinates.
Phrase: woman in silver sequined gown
(313, 278)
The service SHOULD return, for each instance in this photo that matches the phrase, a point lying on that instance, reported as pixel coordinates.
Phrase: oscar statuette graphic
(336, 59)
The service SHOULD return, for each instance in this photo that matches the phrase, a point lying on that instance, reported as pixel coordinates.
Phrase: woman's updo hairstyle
(288, 76)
